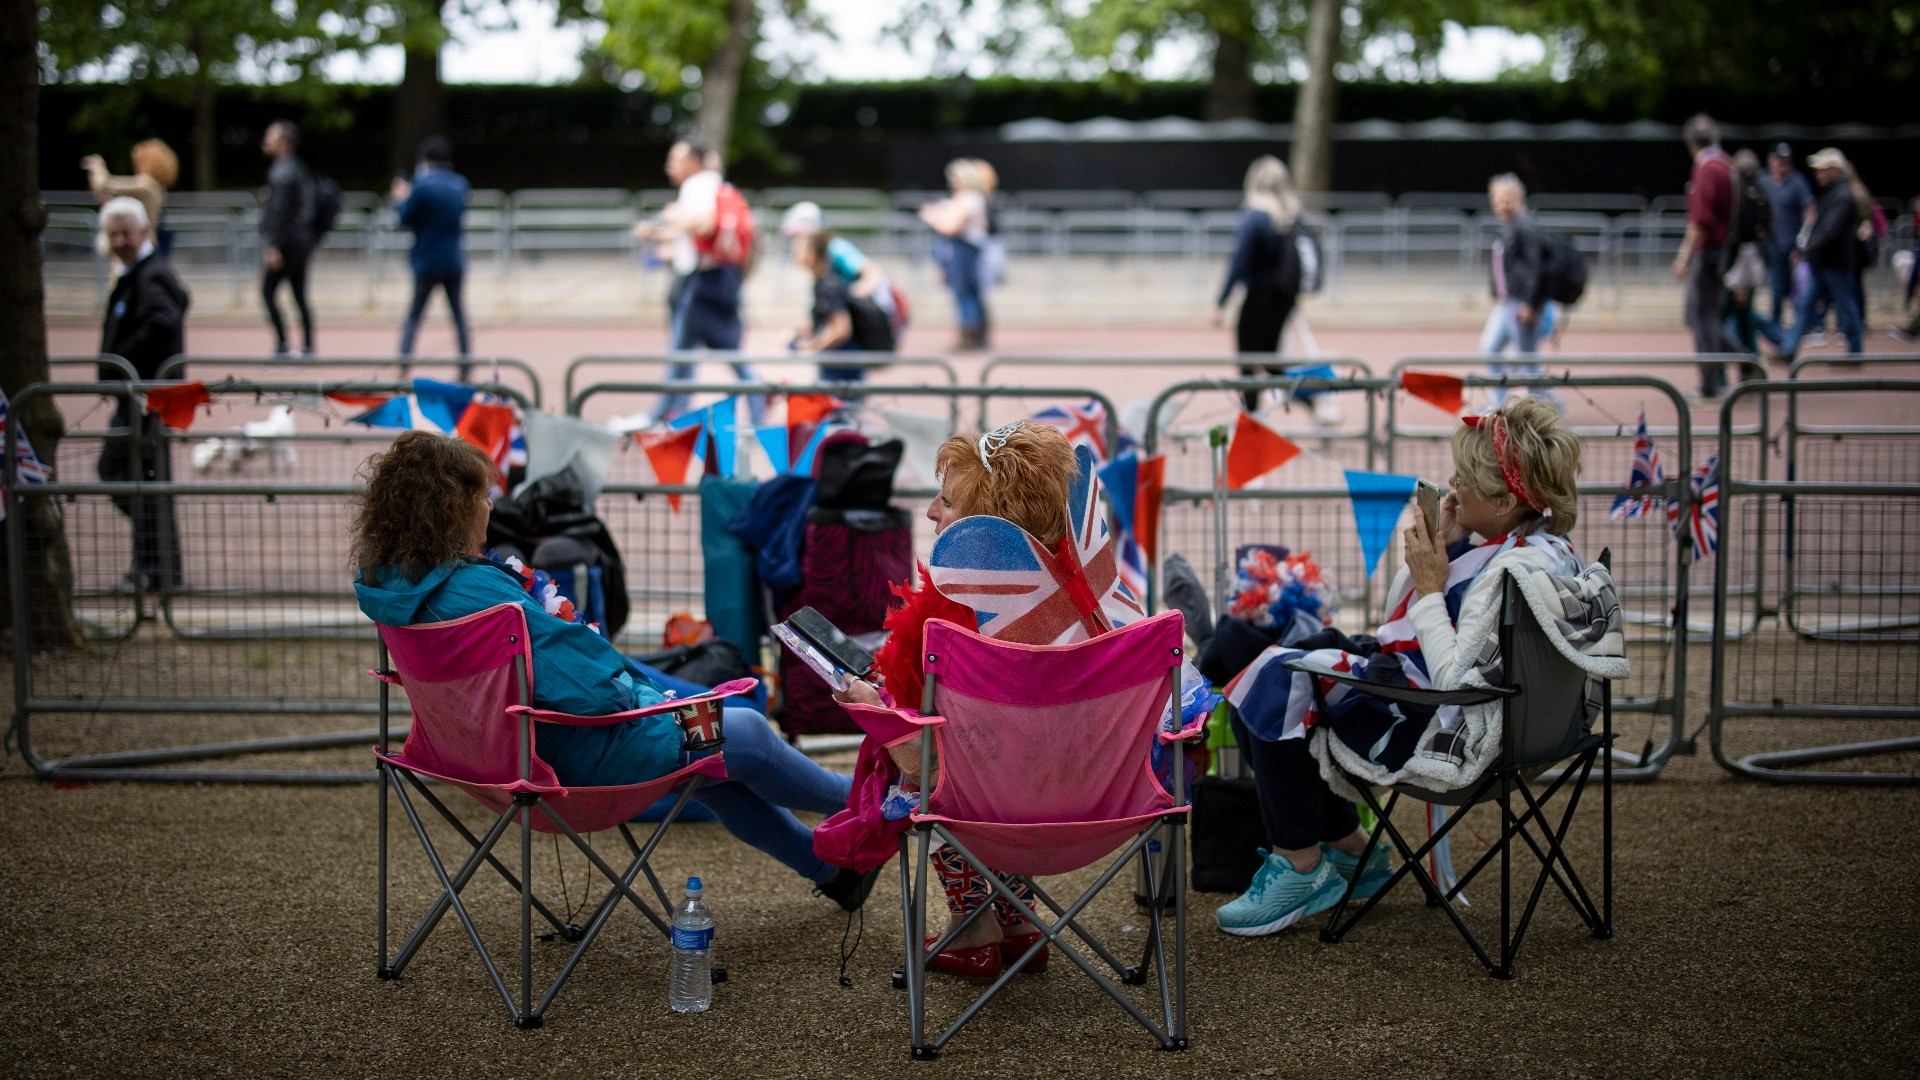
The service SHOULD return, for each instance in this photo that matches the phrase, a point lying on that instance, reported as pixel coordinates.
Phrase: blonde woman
(1266, 262)
(960, 222)
(155, 168)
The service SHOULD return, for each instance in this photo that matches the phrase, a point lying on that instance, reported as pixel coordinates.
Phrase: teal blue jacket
(575, 670)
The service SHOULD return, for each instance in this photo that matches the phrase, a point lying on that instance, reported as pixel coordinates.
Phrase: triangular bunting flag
(489, 427)
(718, 420)
(1146, 504)
(176, 404)
(803, 463)
(669, 453)
(1120, 477)
(388, 413)
(1255, 451)
(1444, 392)
(1311, 371)
(362, 401)
(1378, 499)
(809, 408)
(442, 403)
(774, 441)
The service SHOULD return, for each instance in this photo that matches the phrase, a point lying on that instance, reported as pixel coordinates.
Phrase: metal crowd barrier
(1351, 368)
(870, 361)
(88, 660)
(376, 366)
(1846, 645)
(118, 363)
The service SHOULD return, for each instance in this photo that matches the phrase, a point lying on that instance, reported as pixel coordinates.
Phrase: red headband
(1507, 457)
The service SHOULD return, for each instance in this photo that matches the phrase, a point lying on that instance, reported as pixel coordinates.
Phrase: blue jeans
(963, 279)
(767, 779)
(1834, 287)
(1780, 277)
(1505, 329)
(424, 282)
(707, 316)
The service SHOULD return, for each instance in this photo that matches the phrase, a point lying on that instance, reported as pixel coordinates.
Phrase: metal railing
(870, 361)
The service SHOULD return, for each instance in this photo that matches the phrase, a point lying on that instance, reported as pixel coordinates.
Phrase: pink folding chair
(1044, 769)
(468, 682)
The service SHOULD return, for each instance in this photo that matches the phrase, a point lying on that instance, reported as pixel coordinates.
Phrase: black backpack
(1752, 213)
(1563, 270)
(326, 206)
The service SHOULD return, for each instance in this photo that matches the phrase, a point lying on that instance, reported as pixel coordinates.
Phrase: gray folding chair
(1548, 706)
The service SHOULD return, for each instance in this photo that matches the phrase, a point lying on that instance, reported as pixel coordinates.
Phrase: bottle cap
(693, 884)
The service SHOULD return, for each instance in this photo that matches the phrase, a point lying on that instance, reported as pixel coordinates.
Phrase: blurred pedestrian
(146, 325)
(1702, 260)
(839, 320)
(155, 168)
(434, 206)
(1522, 315)
(1910, 332)
(960, 224)
(1266, 261)
(1830, 247)
(1747, 267)
(286, 225)
(710, 232)
(862, 276)
(1788, 198)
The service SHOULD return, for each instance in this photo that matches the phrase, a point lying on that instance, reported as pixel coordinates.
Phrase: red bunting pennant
(362, 401)
(669, 452)
(1255, 451)
(1149, 482)
(489, 427)
(1444, 392)
(809, 408)
(175, 405)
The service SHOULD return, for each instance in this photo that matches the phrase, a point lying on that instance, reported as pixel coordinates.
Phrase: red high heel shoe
(979, 964)
(1014, 946)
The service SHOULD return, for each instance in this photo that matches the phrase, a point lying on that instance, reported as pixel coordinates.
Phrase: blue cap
(693, 884)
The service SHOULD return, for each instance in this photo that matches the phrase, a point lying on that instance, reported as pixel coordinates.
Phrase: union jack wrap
(32, 469)
(1646, 472)
(700, 723)
(1702, 527)
(1083, 425)
(1020, 590)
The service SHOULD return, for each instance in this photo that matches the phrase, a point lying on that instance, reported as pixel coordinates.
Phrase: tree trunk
(1230, 88)
(1313, 110)
(420, 105)
(720, 77)
(206, 130)
(23, 325)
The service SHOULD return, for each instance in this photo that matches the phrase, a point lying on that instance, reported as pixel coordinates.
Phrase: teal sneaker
(1281, 896)
(1377, 871)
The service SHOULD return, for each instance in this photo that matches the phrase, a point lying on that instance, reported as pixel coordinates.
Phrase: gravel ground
(228, 931)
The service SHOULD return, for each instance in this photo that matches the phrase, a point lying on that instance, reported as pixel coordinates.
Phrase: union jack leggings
(967, 888)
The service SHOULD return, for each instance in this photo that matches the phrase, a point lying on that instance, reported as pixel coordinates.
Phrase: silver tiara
(994, 440)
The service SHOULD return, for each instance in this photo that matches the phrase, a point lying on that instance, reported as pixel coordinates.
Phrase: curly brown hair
(418, 509)
(1027, 486)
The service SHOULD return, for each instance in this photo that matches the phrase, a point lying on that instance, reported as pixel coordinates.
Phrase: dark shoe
(979, 964)
(1014, 946)
(848, 888)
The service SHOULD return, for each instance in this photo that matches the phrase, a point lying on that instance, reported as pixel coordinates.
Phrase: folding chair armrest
(1406, 694)
(1195, 730)
(548, 716)
(386, 676)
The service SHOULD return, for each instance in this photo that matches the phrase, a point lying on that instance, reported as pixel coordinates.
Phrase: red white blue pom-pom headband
(1508, 458)
(995, 440)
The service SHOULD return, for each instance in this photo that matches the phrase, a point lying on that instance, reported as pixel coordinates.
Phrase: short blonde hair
(1028, 486)
(151, 157)
(1548, 452)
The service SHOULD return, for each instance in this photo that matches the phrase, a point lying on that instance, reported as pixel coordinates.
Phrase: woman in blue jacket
(416, 546)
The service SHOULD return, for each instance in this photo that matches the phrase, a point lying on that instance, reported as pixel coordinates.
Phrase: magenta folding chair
(468, 681)
(1044, 769)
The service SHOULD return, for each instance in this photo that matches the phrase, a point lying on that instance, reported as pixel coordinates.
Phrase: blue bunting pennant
(1378, 499)
(442, 403)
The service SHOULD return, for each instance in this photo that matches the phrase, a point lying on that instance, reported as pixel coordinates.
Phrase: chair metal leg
(917, 952)
(499, 867)
(528, 1017)
(380, 908)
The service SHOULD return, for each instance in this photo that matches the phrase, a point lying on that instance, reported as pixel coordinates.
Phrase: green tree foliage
(180, 50)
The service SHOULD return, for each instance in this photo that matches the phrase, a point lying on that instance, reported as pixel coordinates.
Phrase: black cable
(846, 954)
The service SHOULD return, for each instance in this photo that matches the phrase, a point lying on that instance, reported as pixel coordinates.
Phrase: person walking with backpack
(1747, 271)
(1702, 260)
(434, 206)
(711, 231)
(1266, 261)
(287, 215)
(1522, 313)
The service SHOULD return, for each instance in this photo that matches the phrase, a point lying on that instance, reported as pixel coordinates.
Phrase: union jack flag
(1084, 425)
(1703, 517)
(1647, 472)
(1133, 565)
(32, 469)
(700, 724)
(1020, 590)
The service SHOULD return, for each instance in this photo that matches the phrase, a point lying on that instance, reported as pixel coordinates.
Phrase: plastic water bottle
(690, 974)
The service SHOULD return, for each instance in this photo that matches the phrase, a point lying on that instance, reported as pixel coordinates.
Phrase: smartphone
(828, 671)
(828, 640)
(1427, 497)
